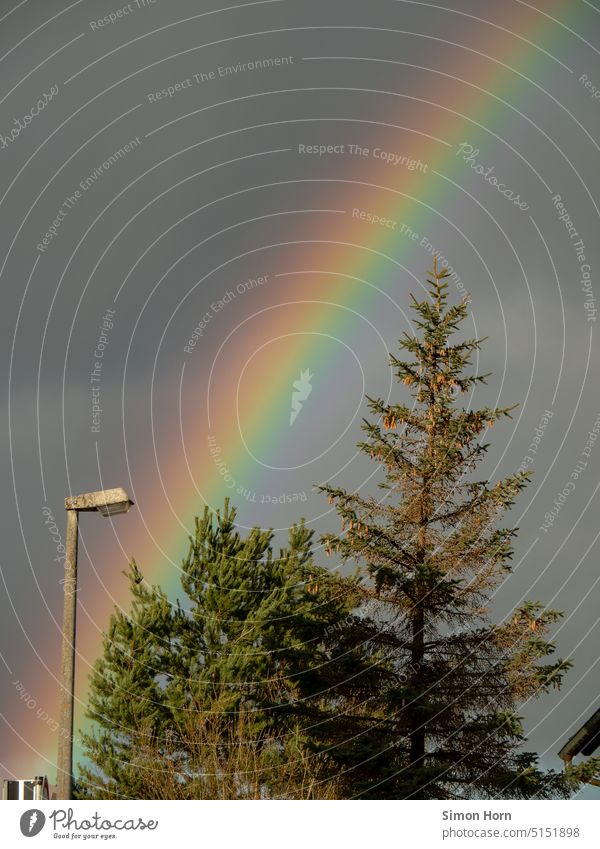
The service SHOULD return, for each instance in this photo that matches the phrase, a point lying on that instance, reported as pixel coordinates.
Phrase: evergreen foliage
(276, 678)
(434, 554)
(253, 688)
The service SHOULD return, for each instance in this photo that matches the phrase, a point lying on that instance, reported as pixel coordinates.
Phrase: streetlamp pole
(108, 502)
(67, 662)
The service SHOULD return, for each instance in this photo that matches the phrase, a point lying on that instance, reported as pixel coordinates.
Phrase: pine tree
(126, 699)
(433, 554)
(253, 687)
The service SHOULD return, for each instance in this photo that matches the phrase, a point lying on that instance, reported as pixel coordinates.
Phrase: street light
(583, 742)
(108, 502)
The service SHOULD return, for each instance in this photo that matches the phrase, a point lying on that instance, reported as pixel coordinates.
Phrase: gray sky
(193, 181)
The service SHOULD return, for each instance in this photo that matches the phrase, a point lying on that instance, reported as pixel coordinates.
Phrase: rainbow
(350, 268)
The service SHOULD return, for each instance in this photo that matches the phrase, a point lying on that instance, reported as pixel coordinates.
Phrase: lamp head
(114, 509)
(585, 741)
(108, 502)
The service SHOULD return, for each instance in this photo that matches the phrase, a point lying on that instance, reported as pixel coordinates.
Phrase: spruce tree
(254, 686)
(433, 553)
(126, 699)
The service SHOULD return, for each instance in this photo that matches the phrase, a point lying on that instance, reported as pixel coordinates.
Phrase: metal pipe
(67, 663)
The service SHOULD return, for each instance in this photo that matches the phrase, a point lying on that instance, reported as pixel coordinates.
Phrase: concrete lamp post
(108, 502)
(583, 742)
